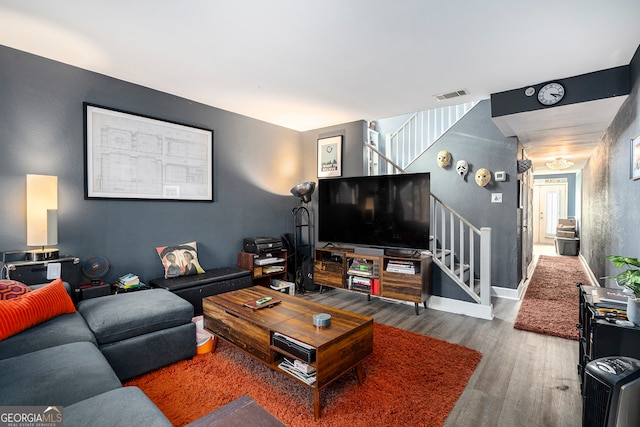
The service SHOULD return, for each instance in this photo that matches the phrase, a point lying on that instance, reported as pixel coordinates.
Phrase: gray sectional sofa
(78, 361)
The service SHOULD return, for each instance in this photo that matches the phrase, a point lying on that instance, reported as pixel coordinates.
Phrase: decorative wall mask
(462, 167)
(444, 158)
(483, 176)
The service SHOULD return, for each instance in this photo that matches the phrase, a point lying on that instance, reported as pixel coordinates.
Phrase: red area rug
(411, 379)
(550, 305)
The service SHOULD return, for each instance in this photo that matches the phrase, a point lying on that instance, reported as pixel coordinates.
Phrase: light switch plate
(496, 197)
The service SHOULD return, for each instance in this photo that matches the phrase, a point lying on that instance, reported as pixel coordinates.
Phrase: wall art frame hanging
(330, 157)
(635, 157)
(136, 157)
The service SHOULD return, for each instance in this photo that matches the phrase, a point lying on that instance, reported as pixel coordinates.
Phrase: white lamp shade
(42, 210)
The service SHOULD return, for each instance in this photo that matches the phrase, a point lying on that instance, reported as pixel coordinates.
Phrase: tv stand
(404, 278)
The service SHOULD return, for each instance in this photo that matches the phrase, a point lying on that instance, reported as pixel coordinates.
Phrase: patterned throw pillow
(10, 289)
(180, 260)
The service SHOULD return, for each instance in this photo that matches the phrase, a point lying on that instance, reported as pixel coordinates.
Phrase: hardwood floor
(523, 379)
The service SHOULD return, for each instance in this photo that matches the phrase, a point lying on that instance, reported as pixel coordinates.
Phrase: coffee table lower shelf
(339, 348)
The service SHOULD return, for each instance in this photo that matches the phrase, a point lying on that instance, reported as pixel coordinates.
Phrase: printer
(262, 245)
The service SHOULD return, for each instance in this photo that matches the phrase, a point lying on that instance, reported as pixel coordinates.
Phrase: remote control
(263, 300)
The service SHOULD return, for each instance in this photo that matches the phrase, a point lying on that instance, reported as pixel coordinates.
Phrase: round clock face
(551, 94)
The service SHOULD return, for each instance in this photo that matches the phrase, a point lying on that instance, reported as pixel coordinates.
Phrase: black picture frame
(136, 157)
(330, 156)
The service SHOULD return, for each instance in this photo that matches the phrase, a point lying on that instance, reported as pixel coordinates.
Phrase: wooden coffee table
(339, 347)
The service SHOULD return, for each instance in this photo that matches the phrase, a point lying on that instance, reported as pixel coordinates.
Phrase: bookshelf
(403, 278)
(264, 269)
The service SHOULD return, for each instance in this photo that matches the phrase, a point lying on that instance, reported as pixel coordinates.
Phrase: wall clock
(551, 94)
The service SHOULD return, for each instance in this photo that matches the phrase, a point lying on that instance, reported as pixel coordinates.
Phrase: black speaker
(611, 392)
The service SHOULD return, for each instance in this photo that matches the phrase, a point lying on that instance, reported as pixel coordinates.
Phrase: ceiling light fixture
(559, 164)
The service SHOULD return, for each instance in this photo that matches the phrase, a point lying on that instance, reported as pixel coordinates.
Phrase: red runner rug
(411, 379)
(550, 305)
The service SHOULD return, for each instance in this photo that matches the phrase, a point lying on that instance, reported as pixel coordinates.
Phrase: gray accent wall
(41, 132)
(476, 139)
(610, 200)
(353, 137)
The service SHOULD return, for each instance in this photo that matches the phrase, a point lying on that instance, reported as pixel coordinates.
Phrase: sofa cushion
(10, 289)
(127, 406)
(121, 316)
(33, 308)
(56, 376)
(64, 329)
(180, 260)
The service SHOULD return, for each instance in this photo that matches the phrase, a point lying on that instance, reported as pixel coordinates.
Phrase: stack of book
(128, 281)
(362, 284)
(609, 298)
(360, 267)
(299, 369)
(404, 267)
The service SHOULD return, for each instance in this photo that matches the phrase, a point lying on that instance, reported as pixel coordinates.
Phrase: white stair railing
(462, 251)
(421, 130)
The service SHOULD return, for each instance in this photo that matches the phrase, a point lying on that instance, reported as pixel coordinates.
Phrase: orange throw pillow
(33, 308)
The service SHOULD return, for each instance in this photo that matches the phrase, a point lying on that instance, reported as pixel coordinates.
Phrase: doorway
(549, 205)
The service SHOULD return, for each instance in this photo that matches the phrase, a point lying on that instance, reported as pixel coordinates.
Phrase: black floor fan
(303, 247)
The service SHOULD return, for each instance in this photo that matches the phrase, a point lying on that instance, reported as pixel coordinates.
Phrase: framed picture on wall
(635, 157)
(330, 157)
(136, 157)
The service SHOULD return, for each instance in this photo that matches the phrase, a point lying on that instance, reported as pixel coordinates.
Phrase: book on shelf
(272, 269)
(362, 284)
(129, 280)
(403, 267)
(289, 366)
(609, 298)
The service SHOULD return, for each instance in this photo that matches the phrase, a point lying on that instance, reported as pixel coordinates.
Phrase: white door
(549, 205)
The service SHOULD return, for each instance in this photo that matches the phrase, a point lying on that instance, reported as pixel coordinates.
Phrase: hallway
(540, 249)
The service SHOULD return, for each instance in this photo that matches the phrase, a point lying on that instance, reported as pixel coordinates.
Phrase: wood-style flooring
(523, 379)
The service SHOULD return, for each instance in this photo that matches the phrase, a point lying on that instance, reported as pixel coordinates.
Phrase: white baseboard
(507, 293)
(460, 307)
(592, 277)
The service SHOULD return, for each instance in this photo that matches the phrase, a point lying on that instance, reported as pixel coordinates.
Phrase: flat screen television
(386, 211)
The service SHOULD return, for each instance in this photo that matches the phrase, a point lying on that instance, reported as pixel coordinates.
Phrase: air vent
(457, 93)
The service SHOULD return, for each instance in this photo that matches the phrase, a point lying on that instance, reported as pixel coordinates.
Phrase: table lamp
(42, 216)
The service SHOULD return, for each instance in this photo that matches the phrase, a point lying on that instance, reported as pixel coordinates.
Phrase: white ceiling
(307, 64)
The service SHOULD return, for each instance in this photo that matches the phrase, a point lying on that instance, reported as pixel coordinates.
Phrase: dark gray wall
(353, 137)
(610, 200)
(41, 132)
(476, 139)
